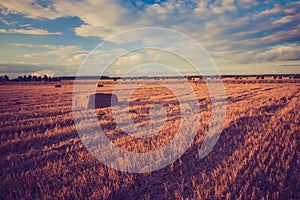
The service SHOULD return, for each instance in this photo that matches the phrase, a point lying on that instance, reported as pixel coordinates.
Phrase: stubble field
(256, 156)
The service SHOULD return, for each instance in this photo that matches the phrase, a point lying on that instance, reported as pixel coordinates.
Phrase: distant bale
(100, 85)
(101, 100)
(18, 103)
(57, 86)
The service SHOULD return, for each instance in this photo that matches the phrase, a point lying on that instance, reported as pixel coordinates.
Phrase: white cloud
(101, 18)
(229, 5)
(29, 8)
(104, 18)
(288, 19)
(213, 24)
(150, 59)
(94, 13)
(63, 52)
(4, 21)
(283, 52)
(266, 13)
(43, 72)
(275, 53)
(247, 3)
(89, 30)
(273, 38)
(66, 55)
(30, 31)
(23, 45)
(292, 8)
(201, 7)
(157, 9)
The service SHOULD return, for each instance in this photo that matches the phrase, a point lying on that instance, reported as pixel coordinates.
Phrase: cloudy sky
(242, 36)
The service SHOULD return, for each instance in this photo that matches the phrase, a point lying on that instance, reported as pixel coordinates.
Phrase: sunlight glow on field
(257, 155)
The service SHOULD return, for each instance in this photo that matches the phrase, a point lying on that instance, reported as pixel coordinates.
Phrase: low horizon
(170, 76)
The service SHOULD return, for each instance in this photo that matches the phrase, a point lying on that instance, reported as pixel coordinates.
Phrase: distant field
(256, 157)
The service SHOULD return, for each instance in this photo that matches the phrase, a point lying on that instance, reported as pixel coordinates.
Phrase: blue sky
(243, 37)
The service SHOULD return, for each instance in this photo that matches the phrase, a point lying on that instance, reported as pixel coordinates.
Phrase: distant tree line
(4, 78)
(29, 78)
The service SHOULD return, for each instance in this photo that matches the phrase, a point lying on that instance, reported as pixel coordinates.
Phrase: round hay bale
(101, 100)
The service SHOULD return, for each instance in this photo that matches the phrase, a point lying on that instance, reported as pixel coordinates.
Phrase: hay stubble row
(257, 155)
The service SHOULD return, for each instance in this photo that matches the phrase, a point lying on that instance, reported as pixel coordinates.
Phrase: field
(256, 157)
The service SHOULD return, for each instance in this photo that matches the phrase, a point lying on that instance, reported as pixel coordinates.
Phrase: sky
(54, 37)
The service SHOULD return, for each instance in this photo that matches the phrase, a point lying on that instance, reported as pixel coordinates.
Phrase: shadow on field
(44, 164)
(153, 185)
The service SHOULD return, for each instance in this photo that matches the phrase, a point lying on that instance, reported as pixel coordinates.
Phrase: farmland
(256, 157)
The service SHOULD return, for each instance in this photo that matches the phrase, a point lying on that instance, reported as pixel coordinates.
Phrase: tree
(45, 78)
(29, 78)
(6, 78)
